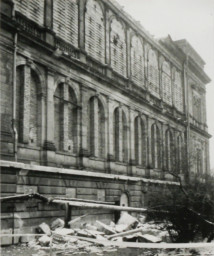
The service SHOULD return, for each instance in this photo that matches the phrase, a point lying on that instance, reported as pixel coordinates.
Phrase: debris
(58, 223)
(76, 219)
(127, 219)
(125, 233)
(63, 231)
(121, 228)
(106, 227)
(151, 238)
(44, 240)
(45, 228)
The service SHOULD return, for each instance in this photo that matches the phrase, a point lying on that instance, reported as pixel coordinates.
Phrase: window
(199, 161)
(137, 67)
(58, 116)
(65, 20)
(166, 83)
(33, 10)
(118, 47)
(94, 22)
(28, 106)
(178, 92)
(197, 108)
(120, 135)
(169, 150)
(140, 142)
(155, 146)
(65, 118)
(179, 154)
(153, 73)
(96, 128)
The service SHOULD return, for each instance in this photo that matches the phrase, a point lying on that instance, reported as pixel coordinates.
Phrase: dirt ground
(23, 250)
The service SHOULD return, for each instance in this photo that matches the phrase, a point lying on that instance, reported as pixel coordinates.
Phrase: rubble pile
(96, 238)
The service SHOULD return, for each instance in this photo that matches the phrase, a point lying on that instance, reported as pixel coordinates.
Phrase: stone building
(92, 106)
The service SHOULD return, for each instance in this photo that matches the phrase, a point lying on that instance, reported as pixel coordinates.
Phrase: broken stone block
(151, 238)
(44, 240)
(45, 228)
(58, 223)
(127, 219)
(64, 231)
(121, 227)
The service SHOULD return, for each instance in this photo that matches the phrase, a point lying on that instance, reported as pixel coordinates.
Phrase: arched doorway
(124, 200)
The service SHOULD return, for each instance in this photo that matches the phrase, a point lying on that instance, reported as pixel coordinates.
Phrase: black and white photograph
(107, 127)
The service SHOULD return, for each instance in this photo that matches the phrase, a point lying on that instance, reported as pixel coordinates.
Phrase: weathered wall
(25, 216)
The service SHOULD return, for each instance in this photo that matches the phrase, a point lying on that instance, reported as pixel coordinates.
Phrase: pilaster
(26, 104)
(65, 118)
(49, 142)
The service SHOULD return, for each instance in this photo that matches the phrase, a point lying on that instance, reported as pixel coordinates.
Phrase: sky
(189, 19)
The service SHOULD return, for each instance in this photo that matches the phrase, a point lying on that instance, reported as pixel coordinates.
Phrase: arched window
(96, 131)
(65, 118)
(197, 108)
(33, 10)
(72, 121)
(137, 60)
(20, 101)
(120, 136)
(58, 116)
(94, 31)
(153, 73)
(169, 151)
(155, 146)
(28, 106)
(178, 92)
(166, 83)
(65, 20)
(179, 154)
(199, 158)
(35, 111)
(140, 141)
(118, 47)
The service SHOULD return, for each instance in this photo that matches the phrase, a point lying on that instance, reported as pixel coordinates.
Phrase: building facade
(86, 90)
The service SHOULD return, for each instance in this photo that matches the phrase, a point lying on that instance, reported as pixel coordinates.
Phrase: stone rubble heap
(96, 238)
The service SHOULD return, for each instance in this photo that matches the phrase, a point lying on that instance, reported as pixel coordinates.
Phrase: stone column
(120, 139)
(131, 137)
(49, 142)
(155, 164)
(139, 129)
(26, 104)
(149, 155)
(84, 122)
(110, 129)
(43, 116)
(65, 118)
(94, 130)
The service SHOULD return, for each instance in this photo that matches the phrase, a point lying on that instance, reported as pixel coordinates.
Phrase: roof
(186, 47)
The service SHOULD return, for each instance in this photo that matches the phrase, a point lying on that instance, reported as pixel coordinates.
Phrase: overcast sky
(189, 19)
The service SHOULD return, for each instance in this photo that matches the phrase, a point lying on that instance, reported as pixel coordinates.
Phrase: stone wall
(24, 216)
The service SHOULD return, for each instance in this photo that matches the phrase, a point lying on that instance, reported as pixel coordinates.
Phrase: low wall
(24, 216)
